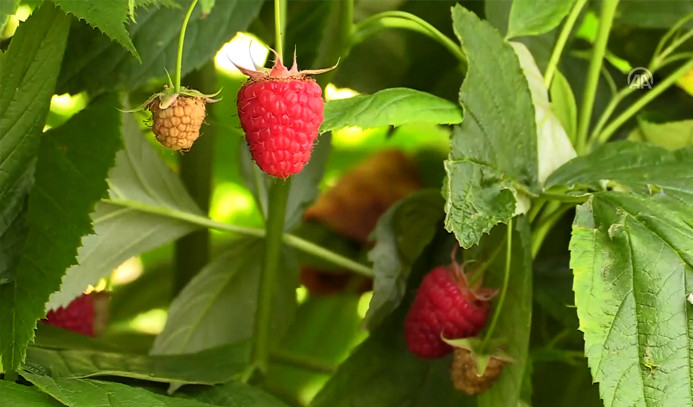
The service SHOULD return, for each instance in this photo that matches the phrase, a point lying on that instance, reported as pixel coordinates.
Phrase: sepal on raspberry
(474, 370)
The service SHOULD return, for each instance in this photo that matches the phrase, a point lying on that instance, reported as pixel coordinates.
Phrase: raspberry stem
(504, 290)
(181, 40)
(274, 232)
(279, 193)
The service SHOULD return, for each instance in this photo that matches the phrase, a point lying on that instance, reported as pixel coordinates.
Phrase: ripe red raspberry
(280, 112)
(86, 314)
(444, 305)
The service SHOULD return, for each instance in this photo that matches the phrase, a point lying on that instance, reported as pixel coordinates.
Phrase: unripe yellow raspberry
(464, 374)
(178, 125)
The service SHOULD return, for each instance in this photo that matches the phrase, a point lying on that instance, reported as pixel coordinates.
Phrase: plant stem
(562, 40)
(192, 250)
(605, 19)
(274, 227)
(279, 25)
(407, 21)
(640, 103)
(302, 361)
(290, 240)
(279, 192)
(545, 223)
(181, 40)
(504, 290)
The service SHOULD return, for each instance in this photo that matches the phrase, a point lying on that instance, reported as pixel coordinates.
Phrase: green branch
(289, 239)
(274, 227)
(504, 290)
(407, 21)
(279, 193)
(562, 40)
(649, 96)
(606, 18)
(181, 40)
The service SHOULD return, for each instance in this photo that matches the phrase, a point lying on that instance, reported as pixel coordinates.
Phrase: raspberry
(444, 305)
(280, 112)
(177, 126)
(86, 314)
(465, 377)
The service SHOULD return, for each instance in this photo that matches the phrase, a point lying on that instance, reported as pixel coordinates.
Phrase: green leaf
(218, 306)
(325, 329)
(305, 186)
(19, 395)
(90, 393)
(670, 135)
(513, 327)
(156, 38)
(71, 169)
(206, 6)
(7, 8)
(554, 146)
(493, 160)
(400, 237)
(629, 166)
(234, 394)
(389, 107)
(564, 105)
(212, 366)
(109, 16)
(653, 13)
(120, 232)
(633, 269)
(34, 52)
(533, 17)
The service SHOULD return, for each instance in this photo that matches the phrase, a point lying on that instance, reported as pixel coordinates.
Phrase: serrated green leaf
(20, 395)
(564, 105)
(218, 305)
(533, 17)
(494, 151)
(400, 236)
(122, 232)
(670, 135)
(554, 146)
(212, 366)
(633, 269)
(389, 107)
(629, 166)
(234, 394)
(156, 38)
(35, 51)
(108, 16)
(70, 177)
(90, 393)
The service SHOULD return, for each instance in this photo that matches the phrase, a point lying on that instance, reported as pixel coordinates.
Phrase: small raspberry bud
(177, 125)
(465, 376)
